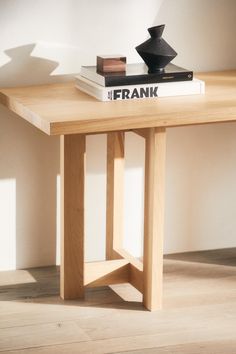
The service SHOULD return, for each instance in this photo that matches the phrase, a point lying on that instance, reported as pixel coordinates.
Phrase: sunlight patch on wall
(134, 194)
(58, 226)
(7, 224)
(4, 59)
(134, 204)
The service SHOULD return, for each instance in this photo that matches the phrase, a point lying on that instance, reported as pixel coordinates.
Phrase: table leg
(115, 194)
(154, 217)
(72, 216)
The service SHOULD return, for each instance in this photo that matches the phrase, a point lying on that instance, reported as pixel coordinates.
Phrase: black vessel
(156, 52)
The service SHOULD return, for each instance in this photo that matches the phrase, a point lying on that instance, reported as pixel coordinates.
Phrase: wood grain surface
(72, 215)
(62, 109)
(154, 198)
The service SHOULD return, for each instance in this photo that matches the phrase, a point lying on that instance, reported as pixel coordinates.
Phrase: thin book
(136, 74)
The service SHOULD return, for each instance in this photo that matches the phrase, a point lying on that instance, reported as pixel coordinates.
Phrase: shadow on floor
(44, 287)
(226, 257)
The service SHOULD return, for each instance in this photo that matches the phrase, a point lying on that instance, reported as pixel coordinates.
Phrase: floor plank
(216, 347)
(199, 312)
(157, 343)
(34, 336)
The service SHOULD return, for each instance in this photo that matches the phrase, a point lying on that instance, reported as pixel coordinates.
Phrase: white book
(114, 93)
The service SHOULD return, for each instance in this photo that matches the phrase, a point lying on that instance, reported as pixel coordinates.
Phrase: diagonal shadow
(225, 257)
(31, 159)
(45, 289)
(24, 69)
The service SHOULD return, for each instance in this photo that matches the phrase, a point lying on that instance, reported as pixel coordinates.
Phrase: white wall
(47, 40)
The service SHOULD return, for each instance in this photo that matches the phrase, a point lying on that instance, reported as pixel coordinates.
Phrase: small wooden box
(111, 63)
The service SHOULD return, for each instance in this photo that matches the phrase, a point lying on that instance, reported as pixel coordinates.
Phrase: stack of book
(137, 83)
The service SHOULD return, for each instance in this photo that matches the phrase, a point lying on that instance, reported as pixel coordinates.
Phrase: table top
(59, 109)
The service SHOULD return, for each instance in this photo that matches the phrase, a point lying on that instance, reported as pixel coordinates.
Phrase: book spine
(142, 80)
(141, 91)
(117, 80)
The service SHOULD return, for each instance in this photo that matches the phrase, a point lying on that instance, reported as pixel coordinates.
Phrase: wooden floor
(199, 313)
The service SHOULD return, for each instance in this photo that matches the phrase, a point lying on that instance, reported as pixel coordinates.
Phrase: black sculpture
(156, 52)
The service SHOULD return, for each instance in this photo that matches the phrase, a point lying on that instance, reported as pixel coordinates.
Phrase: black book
(136, 74)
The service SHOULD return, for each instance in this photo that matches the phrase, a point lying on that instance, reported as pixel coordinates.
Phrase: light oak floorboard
(133, 344)
(199, 311)
(218, 347)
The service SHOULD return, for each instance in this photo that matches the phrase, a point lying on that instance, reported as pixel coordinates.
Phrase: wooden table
(60, 109)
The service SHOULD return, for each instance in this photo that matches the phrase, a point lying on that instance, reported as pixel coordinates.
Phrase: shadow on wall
(30, 160)
(25, 69)
(29, 165)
